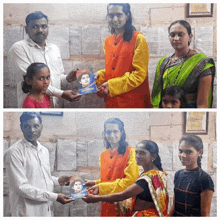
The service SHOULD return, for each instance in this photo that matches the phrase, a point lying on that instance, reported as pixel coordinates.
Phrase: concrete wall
(75, 143)
(80, 29)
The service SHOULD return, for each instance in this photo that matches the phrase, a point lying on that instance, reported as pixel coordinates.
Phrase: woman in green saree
(186, 68)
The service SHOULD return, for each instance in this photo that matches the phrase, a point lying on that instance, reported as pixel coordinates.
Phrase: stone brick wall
(80, 29)
(75, 142)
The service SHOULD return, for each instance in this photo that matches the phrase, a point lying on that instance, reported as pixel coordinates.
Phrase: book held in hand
(86, 81)
(78, 189)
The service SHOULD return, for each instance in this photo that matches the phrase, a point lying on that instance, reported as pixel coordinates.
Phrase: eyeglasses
(110, 132)
(27, 126)
(36, 27)
(118, 15)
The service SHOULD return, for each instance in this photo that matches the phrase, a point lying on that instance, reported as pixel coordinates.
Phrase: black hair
(80, 78)
(153, 148)
(183, 23)
(35, 16)
(122, 143)
(193, 141)
(129, 28)
(29, 115)
(78, 179)
(31, 71)
(178, 92)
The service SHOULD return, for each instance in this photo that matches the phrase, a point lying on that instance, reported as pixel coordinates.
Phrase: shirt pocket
(55, 63)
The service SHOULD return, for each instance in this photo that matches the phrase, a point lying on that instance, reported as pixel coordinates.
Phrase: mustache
(39, 33)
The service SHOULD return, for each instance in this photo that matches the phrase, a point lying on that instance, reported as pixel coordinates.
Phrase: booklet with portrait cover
(86, 81)
(77, 188)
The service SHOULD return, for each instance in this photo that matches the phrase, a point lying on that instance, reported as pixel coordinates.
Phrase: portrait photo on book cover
(77, 188)
(86, 81)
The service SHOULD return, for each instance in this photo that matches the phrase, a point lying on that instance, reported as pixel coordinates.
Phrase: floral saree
(185, 73)
(157, 184)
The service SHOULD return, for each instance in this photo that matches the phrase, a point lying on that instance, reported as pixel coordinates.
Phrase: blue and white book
(78, 189)
(87, 84)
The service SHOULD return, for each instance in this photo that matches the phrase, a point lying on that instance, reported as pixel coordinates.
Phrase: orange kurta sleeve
(131, 173)
(131, 80)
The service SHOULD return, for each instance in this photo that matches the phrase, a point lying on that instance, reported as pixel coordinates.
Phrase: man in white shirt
(37, 49)
(28, 170)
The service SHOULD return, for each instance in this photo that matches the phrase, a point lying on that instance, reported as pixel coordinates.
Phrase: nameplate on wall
(60, 114)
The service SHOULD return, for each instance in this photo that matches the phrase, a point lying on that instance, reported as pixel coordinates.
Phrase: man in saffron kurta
(126, 71)
(117, 172)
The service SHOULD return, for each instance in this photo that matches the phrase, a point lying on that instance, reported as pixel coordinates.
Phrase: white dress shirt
(30, 182)
(25, 52)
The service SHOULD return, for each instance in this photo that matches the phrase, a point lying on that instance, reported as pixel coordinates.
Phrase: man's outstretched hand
(74, 74)
(71, 76)
(63, 199)
(64, 180)
(71, 96)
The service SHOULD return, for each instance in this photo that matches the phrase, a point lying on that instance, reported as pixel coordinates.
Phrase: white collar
(33, 44)
(29, 144)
